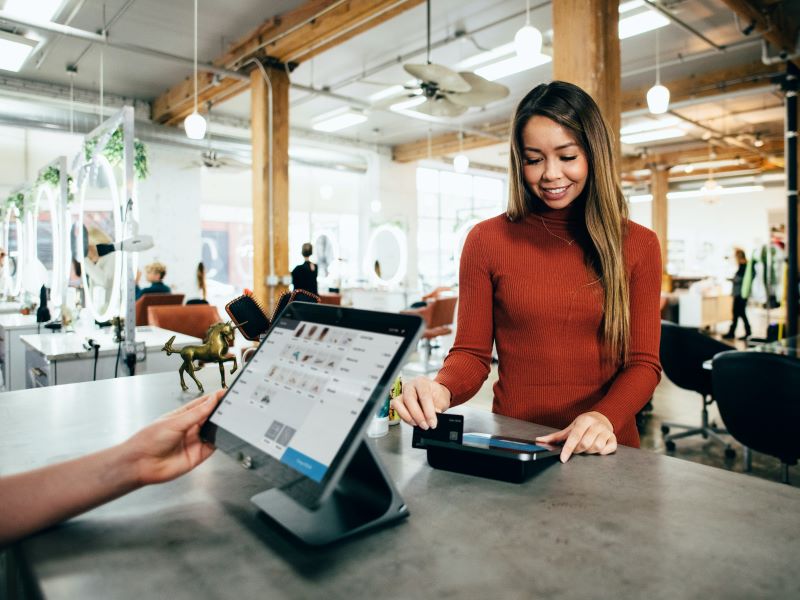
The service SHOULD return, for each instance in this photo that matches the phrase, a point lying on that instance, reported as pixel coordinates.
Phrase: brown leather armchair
(438, 316)
(189, 319)
(148, 300)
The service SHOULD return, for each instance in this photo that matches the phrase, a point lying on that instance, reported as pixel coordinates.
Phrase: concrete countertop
(632, 525)
(62, 346)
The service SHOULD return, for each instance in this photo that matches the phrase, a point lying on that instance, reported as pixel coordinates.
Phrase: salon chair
(148, 300)
(758, 395)
(189, 319)
(683, 352)
(438, 316)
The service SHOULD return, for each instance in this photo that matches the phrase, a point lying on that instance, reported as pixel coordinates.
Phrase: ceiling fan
(449, 93)
(212, 159)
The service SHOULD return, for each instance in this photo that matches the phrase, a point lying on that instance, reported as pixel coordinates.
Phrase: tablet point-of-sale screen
(301, 393)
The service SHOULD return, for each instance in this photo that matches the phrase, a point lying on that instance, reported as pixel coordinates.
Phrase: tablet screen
(303, 391)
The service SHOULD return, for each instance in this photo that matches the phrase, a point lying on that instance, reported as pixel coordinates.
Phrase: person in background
(202, 291)
(565, 285)
(740, 294)
(155, 273)
(162, 451)
(304, 276)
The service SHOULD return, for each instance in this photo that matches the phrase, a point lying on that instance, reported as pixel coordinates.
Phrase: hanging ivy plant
(17, 200)
(52, 176)
(114, 150)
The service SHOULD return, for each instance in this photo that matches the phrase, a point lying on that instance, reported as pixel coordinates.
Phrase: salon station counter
(12, 350)
(632, 525)
(56, 358)
(8, 308)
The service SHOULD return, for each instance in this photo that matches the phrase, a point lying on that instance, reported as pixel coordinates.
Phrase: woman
(740, 294)
(564, 284)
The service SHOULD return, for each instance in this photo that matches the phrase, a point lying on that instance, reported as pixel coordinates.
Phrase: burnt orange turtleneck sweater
(525, 286)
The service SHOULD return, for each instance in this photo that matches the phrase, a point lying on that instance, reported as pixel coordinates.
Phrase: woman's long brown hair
(606, 210)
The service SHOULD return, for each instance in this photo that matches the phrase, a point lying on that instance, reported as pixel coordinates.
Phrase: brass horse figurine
(217, 340)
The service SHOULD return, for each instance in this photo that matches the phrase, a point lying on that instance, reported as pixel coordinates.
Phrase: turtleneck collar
(571, 216)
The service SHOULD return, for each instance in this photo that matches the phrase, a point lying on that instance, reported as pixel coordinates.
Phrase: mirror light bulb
(658, 99)
(461, 163)
(195, 126)
(528, 42)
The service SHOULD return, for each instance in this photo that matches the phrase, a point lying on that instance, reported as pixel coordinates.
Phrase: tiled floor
(671, 403)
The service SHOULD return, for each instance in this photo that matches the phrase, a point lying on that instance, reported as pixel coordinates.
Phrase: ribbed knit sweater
(525, 286)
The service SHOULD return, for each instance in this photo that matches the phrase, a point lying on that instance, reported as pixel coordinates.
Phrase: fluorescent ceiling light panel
(14, 51)
(386, 93)
(641, 23)
(711, 164)
(338, 119)
(406, 104)
(652, 136)
(34, 10)
(720, 191)
(510, 66)
(629, 6)
(649, 125)
(485, 57)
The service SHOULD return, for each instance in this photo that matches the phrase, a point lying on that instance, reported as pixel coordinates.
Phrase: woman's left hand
(589, 433)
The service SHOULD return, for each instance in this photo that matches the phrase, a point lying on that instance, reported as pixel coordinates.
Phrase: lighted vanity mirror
(46, 235)
(326, 253)
(387, 255)
(99, 225)
(14, 243)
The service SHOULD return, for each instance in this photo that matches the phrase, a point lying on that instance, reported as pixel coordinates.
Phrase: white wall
(397, 193)
(708, 232)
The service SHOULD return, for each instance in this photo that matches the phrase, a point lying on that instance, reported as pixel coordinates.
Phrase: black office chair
(758, 395)
(683, 352)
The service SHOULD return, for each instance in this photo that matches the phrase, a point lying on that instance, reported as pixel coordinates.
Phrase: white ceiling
(167, 26)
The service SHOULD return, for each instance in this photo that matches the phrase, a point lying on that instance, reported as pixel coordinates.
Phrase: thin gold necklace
(569, 242)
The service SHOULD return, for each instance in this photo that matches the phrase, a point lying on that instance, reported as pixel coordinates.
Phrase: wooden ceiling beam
(295, 36)
(697, 154)
(740, 77)
(778, 29)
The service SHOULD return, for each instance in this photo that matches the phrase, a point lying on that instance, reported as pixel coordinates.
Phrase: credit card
(449, 429)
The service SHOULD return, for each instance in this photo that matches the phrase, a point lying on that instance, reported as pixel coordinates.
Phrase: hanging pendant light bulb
(528, 40)
(461, 162)
(658, 95)
(195, 124)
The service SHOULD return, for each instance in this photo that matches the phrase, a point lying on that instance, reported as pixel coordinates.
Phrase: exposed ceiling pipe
(683, 25)
(106, 27)
(781, 57)
(49, 46)
(99, 38)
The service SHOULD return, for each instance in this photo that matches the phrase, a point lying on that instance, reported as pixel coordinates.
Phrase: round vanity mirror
(14, 243)
(326, 253)
(387, 255)
(99, 226)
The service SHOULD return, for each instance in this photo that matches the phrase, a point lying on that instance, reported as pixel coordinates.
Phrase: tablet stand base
(365, 498)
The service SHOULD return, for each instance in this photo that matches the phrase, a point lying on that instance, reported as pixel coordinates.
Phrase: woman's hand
(589, 433)
(171, 445)
(422, 399)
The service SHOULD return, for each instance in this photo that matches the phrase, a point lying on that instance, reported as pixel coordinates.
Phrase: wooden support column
(278, 248)
(586, 52)
(659, 184)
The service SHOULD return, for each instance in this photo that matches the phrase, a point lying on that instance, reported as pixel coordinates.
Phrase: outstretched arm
(164, 450)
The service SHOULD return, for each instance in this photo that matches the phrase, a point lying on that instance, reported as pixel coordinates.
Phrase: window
(448, 204)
